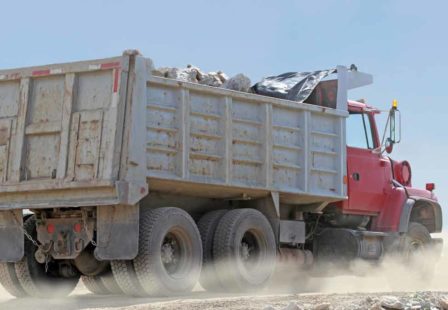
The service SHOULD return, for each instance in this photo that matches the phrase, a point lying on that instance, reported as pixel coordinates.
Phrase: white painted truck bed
(106, 132)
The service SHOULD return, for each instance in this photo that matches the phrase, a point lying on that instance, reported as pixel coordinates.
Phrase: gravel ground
(373, 288)
(199, 300)
(421, 300)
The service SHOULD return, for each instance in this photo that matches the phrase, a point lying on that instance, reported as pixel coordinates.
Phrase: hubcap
(249, 249)
(170, 253)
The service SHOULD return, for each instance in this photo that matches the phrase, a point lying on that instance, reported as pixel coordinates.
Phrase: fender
(407, 211)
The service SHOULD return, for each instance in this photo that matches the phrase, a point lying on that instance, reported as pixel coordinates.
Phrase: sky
(403, 44)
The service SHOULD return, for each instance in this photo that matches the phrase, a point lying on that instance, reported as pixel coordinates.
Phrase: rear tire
(110, 283)
(94, 285)
(126, 278)
(8, 278)
(170, 252)
(35, 281)
(103, 284)
(207, 227)
(245, 249)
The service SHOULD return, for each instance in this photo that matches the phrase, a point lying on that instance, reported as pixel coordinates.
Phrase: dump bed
(105, 132)
(221, 143)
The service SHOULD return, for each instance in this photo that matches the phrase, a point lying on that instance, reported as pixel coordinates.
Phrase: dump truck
(144, 185)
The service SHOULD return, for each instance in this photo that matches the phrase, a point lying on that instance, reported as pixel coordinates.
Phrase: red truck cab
(379, 187)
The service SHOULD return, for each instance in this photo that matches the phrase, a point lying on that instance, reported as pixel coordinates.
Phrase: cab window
(359, 131)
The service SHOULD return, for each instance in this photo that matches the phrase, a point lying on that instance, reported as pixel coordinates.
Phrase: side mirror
(394, 125)
(394, 120)
(389, 146)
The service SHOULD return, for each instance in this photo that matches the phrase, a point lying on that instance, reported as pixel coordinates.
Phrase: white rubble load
(192, 74)
(239, 82)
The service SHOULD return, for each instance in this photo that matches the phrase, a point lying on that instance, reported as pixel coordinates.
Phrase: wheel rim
(416, 249)
(176, 253)
(250, 250)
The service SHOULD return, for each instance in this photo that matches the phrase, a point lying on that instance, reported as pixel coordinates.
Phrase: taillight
(50, 228)
(77, 228)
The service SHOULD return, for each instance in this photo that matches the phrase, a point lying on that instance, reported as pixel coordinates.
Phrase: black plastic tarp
(296, 86)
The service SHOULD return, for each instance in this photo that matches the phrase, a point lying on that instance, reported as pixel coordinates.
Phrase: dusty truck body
(142, 185)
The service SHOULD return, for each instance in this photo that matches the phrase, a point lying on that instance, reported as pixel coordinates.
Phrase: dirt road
(199, 300)
(368, 290)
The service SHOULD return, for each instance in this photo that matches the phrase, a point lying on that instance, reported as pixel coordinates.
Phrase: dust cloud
(390, 276)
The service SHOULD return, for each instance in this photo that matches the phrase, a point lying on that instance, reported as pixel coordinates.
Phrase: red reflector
(430, 187)
(40, 72)
(110, 65)
(77, 228)
(50, 228)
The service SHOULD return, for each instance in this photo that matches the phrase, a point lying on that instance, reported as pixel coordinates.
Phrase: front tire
(170, 252)
(411, 260)
(245, 250)
(417, 251)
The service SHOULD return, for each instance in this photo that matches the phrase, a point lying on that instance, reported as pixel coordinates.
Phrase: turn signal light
(430, 187)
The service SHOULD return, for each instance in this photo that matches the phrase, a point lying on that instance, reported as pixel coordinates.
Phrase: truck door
(366, 174)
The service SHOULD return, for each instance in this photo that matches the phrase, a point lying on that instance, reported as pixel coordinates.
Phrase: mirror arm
(383, 140)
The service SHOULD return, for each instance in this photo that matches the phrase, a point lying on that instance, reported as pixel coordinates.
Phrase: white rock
(293, 306)
(323, 306)
(222, 76)
(239, 82)
(391, 302)
(443, 303)
(189, 74)
(211, 79)
(193, 74)
(376, 306)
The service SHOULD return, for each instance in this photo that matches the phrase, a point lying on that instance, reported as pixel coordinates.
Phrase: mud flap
(117, 232)
(11, 236)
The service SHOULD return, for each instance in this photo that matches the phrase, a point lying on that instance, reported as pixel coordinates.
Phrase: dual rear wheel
(227, 251)
(237, 249)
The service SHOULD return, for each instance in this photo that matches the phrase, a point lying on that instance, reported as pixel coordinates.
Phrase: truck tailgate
(60, 128)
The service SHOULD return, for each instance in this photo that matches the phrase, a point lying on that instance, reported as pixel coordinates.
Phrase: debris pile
(193, 74)
(295, 86)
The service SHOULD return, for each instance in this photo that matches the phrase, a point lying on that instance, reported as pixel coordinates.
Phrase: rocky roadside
(358, 301)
